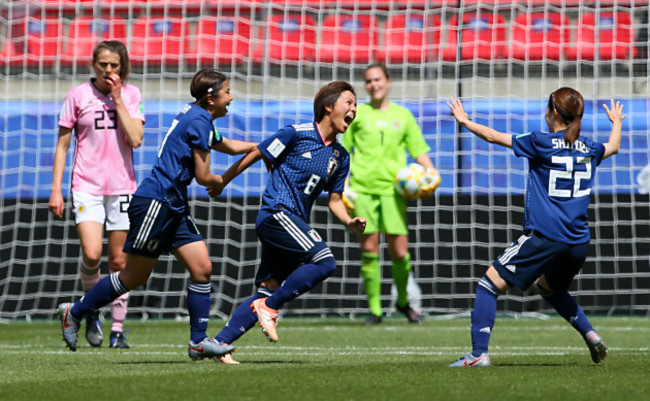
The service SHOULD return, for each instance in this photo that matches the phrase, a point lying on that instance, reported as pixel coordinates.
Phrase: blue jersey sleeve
(215, 137)
(598, 151)
(524, 145)
(200, 134)
(276, 146)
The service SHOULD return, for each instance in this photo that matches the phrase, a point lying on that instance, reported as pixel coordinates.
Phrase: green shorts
(383, 213)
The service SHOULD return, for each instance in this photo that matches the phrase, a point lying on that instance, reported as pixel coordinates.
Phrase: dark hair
(570, 105)
(328, 95)
(381, 66)
(118, 47)
(206, 81)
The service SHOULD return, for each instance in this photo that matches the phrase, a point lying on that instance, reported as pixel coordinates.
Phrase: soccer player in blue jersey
(555, 241)
(160, 218)
(304, 160)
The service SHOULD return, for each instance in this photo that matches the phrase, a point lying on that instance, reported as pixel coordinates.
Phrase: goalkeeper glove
(430, 182)
(349, 196)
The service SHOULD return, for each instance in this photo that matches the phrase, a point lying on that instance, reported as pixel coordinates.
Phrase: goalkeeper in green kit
(377, 140)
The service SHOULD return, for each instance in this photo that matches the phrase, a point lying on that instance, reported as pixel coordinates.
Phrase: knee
(543, 290)
(202, 272)
(116, 263)
(92, 258)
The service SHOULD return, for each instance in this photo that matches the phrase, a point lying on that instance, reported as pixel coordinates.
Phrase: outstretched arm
(482, 131)
(616, 116)
(239, 167)
(234, 146)
(357, 224)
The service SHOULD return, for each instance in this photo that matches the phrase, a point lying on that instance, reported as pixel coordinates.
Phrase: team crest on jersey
(152, 245)
(397, 125)
(332, 166)
(336, 153)
(314, 235)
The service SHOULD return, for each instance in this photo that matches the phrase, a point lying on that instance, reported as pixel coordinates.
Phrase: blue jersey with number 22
(559, 183)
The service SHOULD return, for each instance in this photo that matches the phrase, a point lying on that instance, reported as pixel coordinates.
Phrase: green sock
(401, 270)
(372, 281)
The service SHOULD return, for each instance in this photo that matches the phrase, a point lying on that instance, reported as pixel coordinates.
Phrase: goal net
(501, 58)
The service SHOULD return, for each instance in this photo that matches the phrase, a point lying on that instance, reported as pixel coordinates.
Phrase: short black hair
(328, 95)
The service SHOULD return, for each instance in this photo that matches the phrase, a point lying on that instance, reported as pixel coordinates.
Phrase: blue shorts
(156, 228)
(532, 255)
(287, 243)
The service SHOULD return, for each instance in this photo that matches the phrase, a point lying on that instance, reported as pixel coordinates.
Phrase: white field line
(429, 327)
(289, 351)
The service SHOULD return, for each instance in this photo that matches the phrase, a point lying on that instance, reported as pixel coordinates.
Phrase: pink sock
(89, 276)
(118, 311)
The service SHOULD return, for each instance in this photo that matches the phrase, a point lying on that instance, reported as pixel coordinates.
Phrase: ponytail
(572, 130)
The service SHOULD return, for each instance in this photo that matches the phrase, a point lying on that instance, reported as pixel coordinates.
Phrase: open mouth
(349, 118)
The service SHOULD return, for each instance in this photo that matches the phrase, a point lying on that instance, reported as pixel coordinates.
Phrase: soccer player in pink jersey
(106, 116)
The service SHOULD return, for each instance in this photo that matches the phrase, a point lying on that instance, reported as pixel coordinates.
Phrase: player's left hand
(357, 225)
(431, 180)
(457, 110)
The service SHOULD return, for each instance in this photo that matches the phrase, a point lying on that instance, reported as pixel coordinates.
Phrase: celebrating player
(106, 115)
(555, 241)
(377, 141)
(305, 160)
(160, 219)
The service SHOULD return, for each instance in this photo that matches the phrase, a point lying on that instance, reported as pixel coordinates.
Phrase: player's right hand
(56, 204)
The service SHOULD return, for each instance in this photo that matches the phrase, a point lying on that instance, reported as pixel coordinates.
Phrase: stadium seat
(84, 34)
(410, 38)
(286, 38)
(158, 40)
(483, 37)
(33, 41)
(539, 36)
(220, 40)
(607, 36)
(347, 39)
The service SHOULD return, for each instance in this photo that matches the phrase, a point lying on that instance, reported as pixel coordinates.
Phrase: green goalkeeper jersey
(377, 141)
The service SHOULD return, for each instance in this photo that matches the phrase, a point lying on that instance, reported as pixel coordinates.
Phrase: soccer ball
(410, 180)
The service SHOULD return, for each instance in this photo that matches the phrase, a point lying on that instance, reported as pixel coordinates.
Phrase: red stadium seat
(286, 38)
(483, 37)
(158, 40)
(539, 36)
(607, 36)
(34, 41)
(220, 40)
(411, 38)
(86, 31)
(347, 39)
(8, 54)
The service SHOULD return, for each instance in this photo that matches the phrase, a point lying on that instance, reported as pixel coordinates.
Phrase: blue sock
(300, 281)
(483, 315)
(198, 305)
(568, 308)
(104, 292)
(243, 319)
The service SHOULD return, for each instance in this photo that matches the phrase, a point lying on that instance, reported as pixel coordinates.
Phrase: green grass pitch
(331, 359)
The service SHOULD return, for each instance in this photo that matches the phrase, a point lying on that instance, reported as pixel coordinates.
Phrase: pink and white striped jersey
(103, 159)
